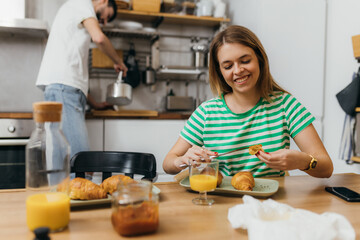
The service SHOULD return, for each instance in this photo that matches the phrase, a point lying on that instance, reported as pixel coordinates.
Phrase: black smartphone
(344, 193)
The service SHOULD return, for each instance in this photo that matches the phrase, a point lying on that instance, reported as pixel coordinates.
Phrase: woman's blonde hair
(242, 35)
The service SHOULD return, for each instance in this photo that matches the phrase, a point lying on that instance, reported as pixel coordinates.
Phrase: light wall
(342, 22)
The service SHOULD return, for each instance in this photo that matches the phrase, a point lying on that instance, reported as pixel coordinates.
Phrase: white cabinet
(95, 129)
(150, 136)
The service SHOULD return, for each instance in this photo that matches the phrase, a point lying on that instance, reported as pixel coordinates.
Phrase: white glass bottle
(48, 152)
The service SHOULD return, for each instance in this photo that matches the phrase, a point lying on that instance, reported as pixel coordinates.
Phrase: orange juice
(202, 183)
(50, 210)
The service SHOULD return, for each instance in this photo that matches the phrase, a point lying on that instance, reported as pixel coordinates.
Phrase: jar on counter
(135, 209)
(47, 152)
(47, 170)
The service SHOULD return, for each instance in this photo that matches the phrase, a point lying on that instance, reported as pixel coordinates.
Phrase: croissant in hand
(110, 184)
(255, 149)
(83, 189)
(243, 181)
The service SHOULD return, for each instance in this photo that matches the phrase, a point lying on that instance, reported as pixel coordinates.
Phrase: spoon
(216, 156)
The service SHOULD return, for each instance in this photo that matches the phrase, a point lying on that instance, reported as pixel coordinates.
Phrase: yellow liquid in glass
(202, 183)
(50, 210)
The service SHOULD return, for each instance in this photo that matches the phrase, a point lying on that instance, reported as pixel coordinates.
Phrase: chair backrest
(107, 162)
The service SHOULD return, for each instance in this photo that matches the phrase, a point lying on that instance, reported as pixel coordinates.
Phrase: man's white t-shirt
(65, 59)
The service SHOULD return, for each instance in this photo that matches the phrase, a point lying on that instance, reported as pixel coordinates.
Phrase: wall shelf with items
(157, 18)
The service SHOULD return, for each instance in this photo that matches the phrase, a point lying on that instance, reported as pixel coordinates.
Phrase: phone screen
(344, 193)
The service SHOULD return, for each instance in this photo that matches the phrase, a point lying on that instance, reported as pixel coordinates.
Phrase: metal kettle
(119, 92)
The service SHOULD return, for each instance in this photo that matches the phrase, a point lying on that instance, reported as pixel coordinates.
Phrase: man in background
(64, 74)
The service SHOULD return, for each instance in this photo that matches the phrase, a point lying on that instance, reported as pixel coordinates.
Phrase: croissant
(110, 184)
(83, 189)
(211, 171)
(219, 179)
(243, 181)
(255, 149)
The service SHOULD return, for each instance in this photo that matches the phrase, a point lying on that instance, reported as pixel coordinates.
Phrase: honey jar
(135, 209)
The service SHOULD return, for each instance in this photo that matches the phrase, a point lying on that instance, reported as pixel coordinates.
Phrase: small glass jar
(135, 209)
(48, 152)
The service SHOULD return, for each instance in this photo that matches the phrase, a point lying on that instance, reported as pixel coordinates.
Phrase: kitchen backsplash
(20, 60)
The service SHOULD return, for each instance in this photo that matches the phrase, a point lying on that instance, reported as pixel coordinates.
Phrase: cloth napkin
(272, 220)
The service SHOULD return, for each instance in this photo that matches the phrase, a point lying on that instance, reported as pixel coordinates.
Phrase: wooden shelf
(156, 18)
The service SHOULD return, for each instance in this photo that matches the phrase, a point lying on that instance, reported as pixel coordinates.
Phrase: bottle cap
(47, 111)
(42, 233)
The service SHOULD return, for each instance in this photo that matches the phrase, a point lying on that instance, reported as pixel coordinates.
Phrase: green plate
(263, 187)
(104, 201)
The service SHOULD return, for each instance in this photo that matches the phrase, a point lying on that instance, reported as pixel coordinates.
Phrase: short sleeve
(194, 127)
(298, 117)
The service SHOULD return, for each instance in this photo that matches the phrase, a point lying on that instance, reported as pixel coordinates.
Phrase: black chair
(107, 162)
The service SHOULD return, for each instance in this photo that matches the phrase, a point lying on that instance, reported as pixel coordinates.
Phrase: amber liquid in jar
(138, 219)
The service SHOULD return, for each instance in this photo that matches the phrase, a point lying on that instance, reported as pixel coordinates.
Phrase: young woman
(250, 108)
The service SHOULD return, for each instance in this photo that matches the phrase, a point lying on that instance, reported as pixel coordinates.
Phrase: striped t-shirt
(214, 126)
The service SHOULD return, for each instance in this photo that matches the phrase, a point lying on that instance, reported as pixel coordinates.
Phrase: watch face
(313, 164)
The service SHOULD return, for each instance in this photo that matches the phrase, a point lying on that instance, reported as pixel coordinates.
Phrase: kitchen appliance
(119, 92)
(200, 51)
(177, 103)
(14, 135)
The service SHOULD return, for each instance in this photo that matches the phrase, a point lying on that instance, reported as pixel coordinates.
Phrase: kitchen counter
(130, 114)
(181, 219)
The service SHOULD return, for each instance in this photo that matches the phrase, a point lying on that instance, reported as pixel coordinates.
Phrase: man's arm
(103, 43)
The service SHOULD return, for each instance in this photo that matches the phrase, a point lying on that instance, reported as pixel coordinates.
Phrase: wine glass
(203, 178)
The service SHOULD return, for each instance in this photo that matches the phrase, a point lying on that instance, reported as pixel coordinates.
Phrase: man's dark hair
(112, 4)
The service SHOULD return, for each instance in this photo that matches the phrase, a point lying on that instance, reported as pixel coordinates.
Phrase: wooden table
(180, 219)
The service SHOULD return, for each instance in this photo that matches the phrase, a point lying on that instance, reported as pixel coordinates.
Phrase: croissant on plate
(243, 181)
(110, 184)
(211, 171)
(83, 189)
(255, 149)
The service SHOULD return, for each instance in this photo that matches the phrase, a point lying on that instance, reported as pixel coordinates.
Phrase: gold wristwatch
(312, 164)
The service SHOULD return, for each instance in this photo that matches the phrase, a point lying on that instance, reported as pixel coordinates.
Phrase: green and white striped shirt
(214, 126)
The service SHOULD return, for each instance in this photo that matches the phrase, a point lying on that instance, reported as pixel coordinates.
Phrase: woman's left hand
(284, 159)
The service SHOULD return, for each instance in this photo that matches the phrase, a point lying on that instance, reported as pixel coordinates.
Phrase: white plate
(149, 29)
(130, 25)
(263, 187)
(104, 201)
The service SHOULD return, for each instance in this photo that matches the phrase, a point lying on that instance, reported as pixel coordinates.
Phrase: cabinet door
(95, 129)
(150, 136)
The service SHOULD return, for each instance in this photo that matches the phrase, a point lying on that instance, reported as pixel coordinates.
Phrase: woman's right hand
(194, 154)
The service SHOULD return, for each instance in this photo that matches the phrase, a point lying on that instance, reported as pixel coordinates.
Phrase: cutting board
(125, 113)
(100, 60)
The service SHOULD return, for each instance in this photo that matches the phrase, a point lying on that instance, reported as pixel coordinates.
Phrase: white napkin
(272, 220)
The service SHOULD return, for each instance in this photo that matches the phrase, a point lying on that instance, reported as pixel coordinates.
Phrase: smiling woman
(250, 109)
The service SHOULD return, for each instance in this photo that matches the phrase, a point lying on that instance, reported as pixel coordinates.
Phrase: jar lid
(47, 111)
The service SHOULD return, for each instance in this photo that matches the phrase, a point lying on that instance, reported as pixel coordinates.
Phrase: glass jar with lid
(47, 170)
(47, 152)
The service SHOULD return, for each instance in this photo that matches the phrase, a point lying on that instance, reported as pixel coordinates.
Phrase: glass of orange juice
(50, 209)
(203, 179)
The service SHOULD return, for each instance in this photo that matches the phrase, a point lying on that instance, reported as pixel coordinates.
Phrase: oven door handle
(13, 142)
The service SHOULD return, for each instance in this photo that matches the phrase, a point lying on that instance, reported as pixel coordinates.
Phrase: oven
(14, 135)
